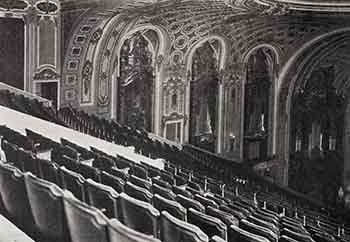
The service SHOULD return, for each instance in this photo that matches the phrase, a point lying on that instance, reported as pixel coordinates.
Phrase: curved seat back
(49, 171)
(103, 163)
(225, 217)
(121, 173)
(216, 238)
(46, 202)
(182, 191)
(85, 223)
(102, 197)
(137, 214)
(172, 207)
(164, 192)
(236, 234)
(259, 230)
(160, 182)
(30, 164)
(11, 153)
(138, 192)
(115, 182)
(118, 232)
(140, 182)
(284, 238)
(13, 193)
(263, 223)
(73, 182)
(296, 236)
(190, 203)
(206, 201)
(140, 171)
(208, 224)
(235, 213)
(90, 172)
(175, 230)
(167, 177)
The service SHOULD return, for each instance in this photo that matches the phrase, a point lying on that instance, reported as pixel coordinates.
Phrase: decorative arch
(158, 53)
(297, 69)
(223, 57)
(221, 53)
(265, 143)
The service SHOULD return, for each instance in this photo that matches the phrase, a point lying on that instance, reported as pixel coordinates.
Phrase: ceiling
(310, 5)
(334, 6)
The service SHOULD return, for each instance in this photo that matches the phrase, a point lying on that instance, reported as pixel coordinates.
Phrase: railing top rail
(15, 90)
(161, 139)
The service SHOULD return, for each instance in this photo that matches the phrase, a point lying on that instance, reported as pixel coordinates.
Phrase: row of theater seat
(29, 106)
(53, 220)
(112, 131)
(195, 207)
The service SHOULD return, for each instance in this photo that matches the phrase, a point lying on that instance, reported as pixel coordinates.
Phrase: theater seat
(216, 238)
(68, 162)
(258, 230)
(235, 213)
(73, 182)
(29, 162)
(263, 223)
(118, 232)
(265, 218)
(137, 214)
(166, 193)
(49, 171)
(115, 182)
(190, 203)
(176, 230)
(140, 182)
(90, 172)
(206, 201)
(225, 217)
(172, 207)
(160, 182)
(167, 177)
(103, 163)
(240, 209)
(284, 238)
(181, 191)
(14, 195)
(102, 197)
(296, 236)
(236, 234)
(46, 202)
(138, 192)
(121, 173)
(139, 171)
(85, 223)
(208, 224)
(218, 201)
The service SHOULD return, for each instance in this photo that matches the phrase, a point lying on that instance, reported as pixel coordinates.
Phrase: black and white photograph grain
(174, 120)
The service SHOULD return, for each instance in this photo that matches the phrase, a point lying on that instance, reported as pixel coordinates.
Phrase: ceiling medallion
(13, 4)
(47, 7)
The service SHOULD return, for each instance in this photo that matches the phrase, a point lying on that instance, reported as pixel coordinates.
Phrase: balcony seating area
(57, 200)
(30, 106)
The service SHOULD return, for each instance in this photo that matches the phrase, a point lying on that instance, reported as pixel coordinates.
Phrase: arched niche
(135, 79)
(205, 63)
(259, 99)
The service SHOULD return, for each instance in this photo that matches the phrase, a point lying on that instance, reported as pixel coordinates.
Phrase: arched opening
(318, 142)
(258, 103)
(204, 95)
(136, 82)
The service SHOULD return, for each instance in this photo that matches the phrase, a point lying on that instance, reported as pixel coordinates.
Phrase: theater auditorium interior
(175, 120)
